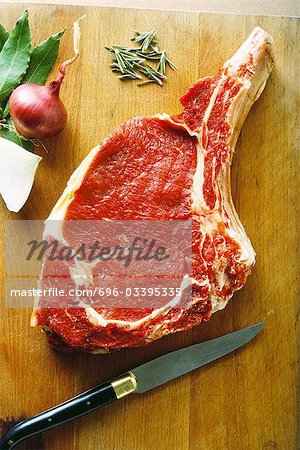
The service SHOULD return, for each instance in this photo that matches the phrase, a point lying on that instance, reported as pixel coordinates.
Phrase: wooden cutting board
(246, 400)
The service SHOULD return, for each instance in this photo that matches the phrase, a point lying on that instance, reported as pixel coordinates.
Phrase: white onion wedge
(17, 170)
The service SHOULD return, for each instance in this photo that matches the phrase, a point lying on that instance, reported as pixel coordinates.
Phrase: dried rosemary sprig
(131, 61)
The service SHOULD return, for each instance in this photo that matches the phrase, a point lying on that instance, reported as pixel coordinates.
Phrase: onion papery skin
(37, 111)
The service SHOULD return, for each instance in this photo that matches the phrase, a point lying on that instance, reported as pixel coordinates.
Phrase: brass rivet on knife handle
(124, 385)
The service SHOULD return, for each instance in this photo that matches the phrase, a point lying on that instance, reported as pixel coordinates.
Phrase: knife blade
(139, 380)
(175, 364)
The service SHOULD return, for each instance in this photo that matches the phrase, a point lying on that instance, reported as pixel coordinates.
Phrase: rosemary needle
(162, 63)
(144, 39)
(146, 82)
(149, 55)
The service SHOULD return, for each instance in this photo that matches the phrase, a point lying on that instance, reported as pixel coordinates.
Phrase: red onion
(37, 111)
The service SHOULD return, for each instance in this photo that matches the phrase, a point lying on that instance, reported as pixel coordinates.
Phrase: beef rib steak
(169, 168)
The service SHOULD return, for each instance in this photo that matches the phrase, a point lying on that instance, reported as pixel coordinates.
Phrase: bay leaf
(14, 57)
(5, 111)
(4, 34)
(13, 136)
(42, 60)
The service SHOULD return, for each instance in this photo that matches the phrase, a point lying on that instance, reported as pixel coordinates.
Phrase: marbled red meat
(169, 168)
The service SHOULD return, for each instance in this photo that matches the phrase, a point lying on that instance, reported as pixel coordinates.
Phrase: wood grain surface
(246, 401)
(261, 7)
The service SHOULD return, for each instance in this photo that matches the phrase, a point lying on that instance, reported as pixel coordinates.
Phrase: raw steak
(169, 168)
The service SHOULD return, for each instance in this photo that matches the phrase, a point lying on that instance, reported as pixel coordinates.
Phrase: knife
(139, 380)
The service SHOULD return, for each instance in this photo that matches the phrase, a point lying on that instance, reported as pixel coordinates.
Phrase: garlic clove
(17, 171)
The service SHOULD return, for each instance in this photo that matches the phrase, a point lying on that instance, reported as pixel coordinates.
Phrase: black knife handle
(77, 406)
